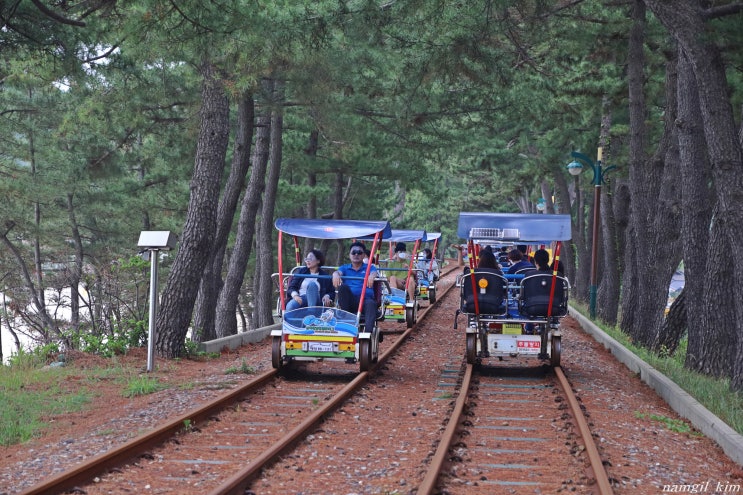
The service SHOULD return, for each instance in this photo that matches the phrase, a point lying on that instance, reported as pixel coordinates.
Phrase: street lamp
(154, 241)
(575, 168)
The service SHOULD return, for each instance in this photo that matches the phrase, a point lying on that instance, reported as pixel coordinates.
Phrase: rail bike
(429, 270)
(398, 306)
(317, 333)
(510, 315)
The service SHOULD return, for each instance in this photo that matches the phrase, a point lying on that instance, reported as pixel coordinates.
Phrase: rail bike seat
(490, 291)
(379, 288)
(524, 271)
(535, 293)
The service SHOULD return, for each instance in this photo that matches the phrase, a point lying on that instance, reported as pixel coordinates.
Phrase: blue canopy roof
(432, 236)
(406, 235)
(332, 229)
(522, 227)
(401, 235)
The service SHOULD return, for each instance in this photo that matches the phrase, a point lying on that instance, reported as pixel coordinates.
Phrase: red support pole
(366, 279)
(471, 248)
(554, 278)
(297, 254)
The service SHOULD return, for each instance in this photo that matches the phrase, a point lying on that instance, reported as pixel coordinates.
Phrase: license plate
(320, 347)
(511, 329)
(529, 346)
(394, 312)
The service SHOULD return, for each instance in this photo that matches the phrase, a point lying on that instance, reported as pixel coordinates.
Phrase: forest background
(211, 119)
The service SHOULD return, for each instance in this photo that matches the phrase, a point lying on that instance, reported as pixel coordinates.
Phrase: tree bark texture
(211, 281)
(685, 22)
(630, 322)
(674, 326)
(226, 321)
(567, 257)
(181, 288)
(46, 324)
(265, 296)
(659, 213)
(696, 207)
(313, 144)
(607, 298)
(77, 267)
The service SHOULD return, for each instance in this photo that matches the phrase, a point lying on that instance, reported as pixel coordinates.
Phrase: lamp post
(154, 241)
(575, 168)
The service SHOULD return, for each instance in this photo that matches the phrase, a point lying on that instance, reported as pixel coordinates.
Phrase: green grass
(677, 425)
(28, 395)
(712, 393)
(142, 385)
(243, 368)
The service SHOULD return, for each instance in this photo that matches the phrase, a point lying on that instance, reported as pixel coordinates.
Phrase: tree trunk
(635, 243)
(338, 201)
(684, 21)
(45, 323)
(567, 257)
(621, 206)
(607, 299)
(582, 242)
(577, 244)
(179, 293)
(77, 267)
(674, 327)
(265, 296)
(696, 201)
(311, 150)
(226, 320)
(712, 353)
(657, 219)
(211, 281)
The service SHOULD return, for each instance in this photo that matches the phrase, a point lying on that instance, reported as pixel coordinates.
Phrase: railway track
(519, 432)
(244, 441)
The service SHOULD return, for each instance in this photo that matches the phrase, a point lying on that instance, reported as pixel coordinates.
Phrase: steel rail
(84, 472)
(428, 484)
(237, 484)
(597, 466)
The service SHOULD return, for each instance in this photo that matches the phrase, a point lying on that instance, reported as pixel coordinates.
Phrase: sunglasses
(355, 252)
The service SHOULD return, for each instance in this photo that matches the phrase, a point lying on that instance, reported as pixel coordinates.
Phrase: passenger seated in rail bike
(490, 285)
(428, 266)
(486, 263)
(536, 288)
(518, 262)
(304, 291)
(349, 290)
(398, 277)
(503, 258)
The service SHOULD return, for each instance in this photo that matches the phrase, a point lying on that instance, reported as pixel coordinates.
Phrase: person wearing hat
(397, 278)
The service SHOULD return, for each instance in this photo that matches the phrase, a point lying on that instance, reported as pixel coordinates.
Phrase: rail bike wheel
(471, 348)
(276, 360)
(365, 355)
(431, 295)
(410, 316)
(555, 351)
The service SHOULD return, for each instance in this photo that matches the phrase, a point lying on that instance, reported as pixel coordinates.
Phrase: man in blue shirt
(349, 289)
(518, 261)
